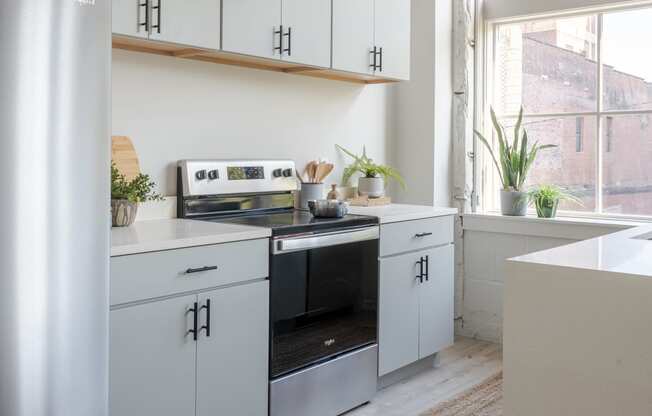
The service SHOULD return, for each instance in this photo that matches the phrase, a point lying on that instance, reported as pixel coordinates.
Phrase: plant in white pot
(513, 164)
(374, 177)
(127, 194)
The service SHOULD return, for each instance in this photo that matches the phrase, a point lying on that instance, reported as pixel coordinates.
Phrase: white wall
(488, 242)
(422, 148)
(177, 109)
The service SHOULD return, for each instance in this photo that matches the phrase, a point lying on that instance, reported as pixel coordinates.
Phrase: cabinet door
(232, 363)
(310, 24)
(353, 35)
(392, 33)
(193, 23)
(127, 16)
(436, 302)
(248, 27)
(398, 325)
(152, 359)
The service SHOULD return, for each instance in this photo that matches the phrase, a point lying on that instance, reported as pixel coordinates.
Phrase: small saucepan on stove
(323, 208)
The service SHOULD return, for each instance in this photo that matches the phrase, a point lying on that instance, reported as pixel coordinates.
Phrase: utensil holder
(310, 192)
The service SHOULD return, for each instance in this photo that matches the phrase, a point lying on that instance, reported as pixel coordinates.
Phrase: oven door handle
(288, 245)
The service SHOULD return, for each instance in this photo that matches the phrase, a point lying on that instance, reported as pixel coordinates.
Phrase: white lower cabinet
(152, 359)
(232, 363)
(158, 369)
(203, 351)
(415, 301)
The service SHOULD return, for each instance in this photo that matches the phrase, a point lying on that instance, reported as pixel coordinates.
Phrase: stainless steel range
(323, 282)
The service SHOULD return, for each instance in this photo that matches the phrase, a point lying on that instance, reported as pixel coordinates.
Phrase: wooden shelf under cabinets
(227, 58)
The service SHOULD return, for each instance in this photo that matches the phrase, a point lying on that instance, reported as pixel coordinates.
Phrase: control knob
(213, 174)
(200, 174)
(287, 173)
(277, 173)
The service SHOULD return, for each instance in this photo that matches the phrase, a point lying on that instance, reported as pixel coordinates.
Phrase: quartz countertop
(169, 234)
(402, 212)
(628, 251)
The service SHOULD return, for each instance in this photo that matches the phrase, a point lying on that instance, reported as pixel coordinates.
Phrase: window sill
(565, 227)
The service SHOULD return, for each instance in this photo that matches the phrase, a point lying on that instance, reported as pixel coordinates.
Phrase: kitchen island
(577, 337)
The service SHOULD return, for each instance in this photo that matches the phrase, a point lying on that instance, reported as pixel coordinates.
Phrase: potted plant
(546, 199)
(374, 177)
(126, 195)
(513, 162)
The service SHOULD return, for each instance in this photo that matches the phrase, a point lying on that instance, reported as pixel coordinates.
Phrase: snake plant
(513, 161)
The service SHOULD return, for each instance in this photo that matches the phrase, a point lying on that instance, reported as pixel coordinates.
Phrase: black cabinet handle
(157, 26)
(146, 22)
(381, 60)
(201, 269)
(420, 235)
(289, 35)
(374, 54)
(207, 327)
(278, 48)
(427, 268)
(193, 331)
(420, 275)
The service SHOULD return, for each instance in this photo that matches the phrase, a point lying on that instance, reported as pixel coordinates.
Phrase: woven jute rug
(485, 399)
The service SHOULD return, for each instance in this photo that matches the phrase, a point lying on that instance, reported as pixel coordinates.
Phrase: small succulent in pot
(513, 162)
(374, 176)
(546, 199)
(127, 194)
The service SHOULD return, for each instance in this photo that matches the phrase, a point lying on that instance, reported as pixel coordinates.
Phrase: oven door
(324, 297)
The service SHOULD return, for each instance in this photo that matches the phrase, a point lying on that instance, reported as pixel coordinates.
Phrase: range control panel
(220, 177)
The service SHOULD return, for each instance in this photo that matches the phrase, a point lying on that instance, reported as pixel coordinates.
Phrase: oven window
(323, 303)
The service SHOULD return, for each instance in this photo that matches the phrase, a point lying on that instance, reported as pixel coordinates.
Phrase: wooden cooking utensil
(123, 154)
(312, 171)
(320, 172)
(327, 171)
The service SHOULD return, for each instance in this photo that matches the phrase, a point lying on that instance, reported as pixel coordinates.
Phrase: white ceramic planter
(513, 203)
(123, 212)
(371, 187)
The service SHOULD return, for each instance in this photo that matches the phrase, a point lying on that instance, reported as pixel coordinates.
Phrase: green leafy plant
(366, 166)
(547, 197)
(139, 189)
(514, 161)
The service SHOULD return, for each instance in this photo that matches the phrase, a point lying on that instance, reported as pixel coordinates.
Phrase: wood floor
(460, 367)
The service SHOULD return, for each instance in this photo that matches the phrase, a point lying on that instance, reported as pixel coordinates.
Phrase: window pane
(571, 165)
(627, 164)
(548, 66)
(627, 60)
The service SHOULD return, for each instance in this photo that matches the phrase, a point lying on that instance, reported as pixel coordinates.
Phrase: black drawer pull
(201, 269)
(419, 235)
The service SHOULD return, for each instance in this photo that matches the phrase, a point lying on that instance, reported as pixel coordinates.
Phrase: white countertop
(168, 234)
(402, 212)
(620, 252)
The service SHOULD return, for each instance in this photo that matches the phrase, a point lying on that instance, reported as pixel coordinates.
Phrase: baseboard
(408, 371)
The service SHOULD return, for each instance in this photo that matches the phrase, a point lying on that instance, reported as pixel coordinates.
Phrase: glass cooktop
(297, 222)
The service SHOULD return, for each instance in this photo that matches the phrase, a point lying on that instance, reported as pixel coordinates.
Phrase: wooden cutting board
(123, 154)
(363, 201)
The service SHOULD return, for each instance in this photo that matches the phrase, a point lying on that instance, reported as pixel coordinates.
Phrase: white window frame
(484, 175)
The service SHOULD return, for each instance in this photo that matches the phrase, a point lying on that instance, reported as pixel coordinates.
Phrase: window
(579, 134)
(610, 133)
(585, 84)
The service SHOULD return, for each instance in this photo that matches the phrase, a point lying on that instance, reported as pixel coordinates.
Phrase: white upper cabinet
(307, 26)
(194, 23)
(353, 35)
(249, 27)
(392, 34)
(129, 17)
